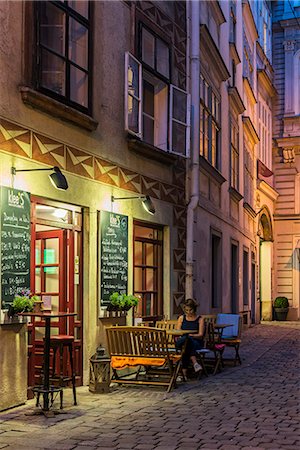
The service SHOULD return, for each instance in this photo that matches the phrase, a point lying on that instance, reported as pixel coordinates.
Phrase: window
(245, 278)
(235, 156)
(216, 273)
(155, 111)
(248, 177)
(63, 61)
(234, 279)
(265, 133)
(148, 273)
(232, 31)
(209, 124)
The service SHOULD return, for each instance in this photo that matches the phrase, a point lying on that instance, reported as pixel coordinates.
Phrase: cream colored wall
(94, 197)
(266, 279)
(13, 365)
(109, 139)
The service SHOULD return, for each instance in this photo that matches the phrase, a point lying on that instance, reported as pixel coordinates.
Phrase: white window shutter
(133, 95)
(179, 126)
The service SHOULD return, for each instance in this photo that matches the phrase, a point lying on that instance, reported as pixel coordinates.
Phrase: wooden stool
(59, 342)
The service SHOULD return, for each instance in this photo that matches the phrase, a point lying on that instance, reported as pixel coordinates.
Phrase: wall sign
(15, 243)
(114, 254)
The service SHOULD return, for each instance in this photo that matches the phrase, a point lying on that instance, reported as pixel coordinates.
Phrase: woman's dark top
(190, 324)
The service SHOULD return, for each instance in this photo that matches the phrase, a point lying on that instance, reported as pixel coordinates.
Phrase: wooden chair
(168, 325)
(212, 353)
(231, 336)
(142, 346)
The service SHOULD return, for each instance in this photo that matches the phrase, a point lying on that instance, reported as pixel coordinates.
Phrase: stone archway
(265, 233)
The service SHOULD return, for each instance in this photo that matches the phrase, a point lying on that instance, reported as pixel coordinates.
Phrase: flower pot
(280, 313)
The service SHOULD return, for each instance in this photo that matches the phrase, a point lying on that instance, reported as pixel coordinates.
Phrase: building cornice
(236, 100)
(268, 190)
(250, 130)
(249, 91)
(234, 53)
(248, 16)
(209, 47)
(266, 82)
(217, 12)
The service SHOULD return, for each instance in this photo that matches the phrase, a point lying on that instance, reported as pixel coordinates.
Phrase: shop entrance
(56, 278)
(265, 233)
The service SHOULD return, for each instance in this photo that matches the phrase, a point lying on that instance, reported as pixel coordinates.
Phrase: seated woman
(190, 321)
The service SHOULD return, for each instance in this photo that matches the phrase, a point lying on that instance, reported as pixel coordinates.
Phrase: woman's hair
(189, 303)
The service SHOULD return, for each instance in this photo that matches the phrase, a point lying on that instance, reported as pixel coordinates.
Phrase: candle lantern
(99, 372)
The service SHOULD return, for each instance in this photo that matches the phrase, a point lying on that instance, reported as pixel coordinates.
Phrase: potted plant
(281, 307)
(121, 302)
(25, 301)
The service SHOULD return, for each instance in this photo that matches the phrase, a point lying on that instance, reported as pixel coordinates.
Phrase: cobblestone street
(253, 406)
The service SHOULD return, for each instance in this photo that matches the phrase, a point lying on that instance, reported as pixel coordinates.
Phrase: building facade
(112, 115)
(286, 151)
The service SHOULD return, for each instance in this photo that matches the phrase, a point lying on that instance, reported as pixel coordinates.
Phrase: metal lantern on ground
(99, 372)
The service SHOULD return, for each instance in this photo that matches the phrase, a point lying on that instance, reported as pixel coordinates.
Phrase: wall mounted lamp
(58, 180)
(146, 201)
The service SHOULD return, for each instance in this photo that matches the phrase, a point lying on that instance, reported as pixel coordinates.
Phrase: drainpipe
(195, 143)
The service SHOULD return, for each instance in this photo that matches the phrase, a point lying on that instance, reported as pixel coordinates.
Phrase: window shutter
(179, 129)
(133, 95)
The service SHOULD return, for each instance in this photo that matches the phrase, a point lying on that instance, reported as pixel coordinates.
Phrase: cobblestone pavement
(253, 406)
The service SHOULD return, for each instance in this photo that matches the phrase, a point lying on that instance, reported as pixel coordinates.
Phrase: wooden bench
(143, 347)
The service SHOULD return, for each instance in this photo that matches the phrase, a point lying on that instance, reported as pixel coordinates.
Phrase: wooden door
(52, 278)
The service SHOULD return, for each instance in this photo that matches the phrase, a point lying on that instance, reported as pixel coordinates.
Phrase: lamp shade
(148, 205)
(58, 179)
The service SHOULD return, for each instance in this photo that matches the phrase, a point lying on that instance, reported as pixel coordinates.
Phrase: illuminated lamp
(146, 201)
(57, 178)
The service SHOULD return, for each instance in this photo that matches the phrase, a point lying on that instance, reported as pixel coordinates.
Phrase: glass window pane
(162, 58)
(53, 73)
(51, 251)
(133, 114)
(150, 280)
(138, 279)
(148, 46)
(145, 232)
(51, 279)
(79, 86)
(82, 7)
(37, 252)
(179, 105)
(52, 29)
(133, 77)
(149, 254)
(148, 130)
(138, 253)
(78, 43)
(148, 98)
(37, 279)
(178, 138)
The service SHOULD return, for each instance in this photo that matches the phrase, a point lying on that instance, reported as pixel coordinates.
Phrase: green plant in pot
(281, 307)
(121, 302)
(22, 302)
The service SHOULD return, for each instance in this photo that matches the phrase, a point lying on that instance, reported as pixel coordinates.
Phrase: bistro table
(45, 389)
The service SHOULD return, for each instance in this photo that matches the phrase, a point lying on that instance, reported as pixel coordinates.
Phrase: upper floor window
(265, 133)
(235, 155)
(63, 62)
(155, 110)
(248, 177)
(209, 124)
(232, 30)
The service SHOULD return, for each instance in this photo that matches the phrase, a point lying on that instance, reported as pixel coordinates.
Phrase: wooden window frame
(158, 287)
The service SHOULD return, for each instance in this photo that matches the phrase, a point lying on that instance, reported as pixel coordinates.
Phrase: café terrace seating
(142, 347)
(231, 336)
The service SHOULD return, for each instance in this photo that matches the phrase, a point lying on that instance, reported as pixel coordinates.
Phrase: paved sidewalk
(253, 406)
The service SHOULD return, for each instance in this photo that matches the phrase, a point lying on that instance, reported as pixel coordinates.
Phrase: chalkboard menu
(15, 243)
(114, 254)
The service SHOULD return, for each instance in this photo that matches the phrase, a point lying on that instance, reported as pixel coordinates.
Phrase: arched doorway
(265, 233)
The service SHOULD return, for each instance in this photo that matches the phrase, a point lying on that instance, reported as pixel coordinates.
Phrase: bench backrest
(166, 324)
(235, 320)
(137, 341)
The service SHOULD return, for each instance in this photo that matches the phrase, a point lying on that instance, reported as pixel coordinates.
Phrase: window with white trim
(235, 154)
(156, 111)
(265, 133)
(210, 129)
(248, 176)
